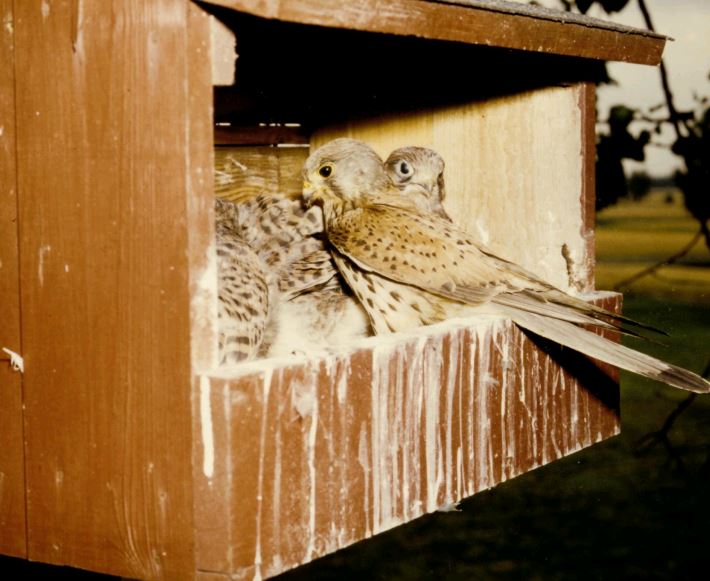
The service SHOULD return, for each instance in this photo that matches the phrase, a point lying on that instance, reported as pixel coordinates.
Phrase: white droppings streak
(276, 564)
(381, 417)
(451, 376)
(574, 411)
(363, 458)
(432, 451)
(411, 451)
(260, 479)
(43, 251)
(313, 431)
(206, 428)
(342, 388)
(45, 9)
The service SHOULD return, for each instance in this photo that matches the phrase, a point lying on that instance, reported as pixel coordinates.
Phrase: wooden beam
(223, 55)
(587, 107)
(481, 23)
(103, 110)
(13, 539)
(276, 134)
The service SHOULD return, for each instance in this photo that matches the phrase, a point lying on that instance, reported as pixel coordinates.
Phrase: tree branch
(672, 112)
(666, 262)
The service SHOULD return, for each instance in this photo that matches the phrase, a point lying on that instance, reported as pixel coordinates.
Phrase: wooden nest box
(126, 449)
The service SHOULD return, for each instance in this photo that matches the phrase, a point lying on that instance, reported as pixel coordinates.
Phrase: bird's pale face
(342, 171)
(411, 167)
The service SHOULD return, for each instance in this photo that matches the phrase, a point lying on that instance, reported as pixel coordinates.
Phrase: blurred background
(636, 506)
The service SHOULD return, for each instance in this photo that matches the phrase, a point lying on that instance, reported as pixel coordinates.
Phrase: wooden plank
(200, 199)
(103, 111)
(265, 135)
(588, 108)
(474, 24)
(13, 540)
(223, 54)
(322, 453)
(514, 160)
(245, 172)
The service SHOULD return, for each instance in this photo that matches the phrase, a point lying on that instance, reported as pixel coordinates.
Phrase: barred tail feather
(598, 347)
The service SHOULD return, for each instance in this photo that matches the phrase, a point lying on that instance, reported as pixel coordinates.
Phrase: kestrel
(279, 290)
(411, 267)
(418, 172)
(245, 294)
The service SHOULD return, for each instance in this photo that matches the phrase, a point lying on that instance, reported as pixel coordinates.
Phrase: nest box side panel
(103, 167)
(588, 110)
(321, 453)
(200, 192)
(12, 471)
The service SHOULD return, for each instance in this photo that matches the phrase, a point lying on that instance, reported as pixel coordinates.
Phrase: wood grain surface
(467, 24)
(103, 163)
(13, 539)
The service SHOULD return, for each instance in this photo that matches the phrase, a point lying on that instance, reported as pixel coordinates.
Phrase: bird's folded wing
(417, 250)
(308, 273)
(434, 255)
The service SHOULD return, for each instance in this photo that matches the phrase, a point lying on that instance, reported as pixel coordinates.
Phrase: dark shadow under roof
(494, 23)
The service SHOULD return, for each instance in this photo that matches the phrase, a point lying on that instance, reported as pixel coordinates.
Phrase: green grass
(631, 236)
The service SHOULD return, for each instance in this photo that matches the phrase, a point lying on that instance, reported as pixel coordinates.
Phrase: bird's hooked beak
(311, 194)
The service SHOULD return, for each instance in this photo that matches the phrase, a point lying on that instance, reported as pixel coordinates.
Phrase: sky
(687, 59)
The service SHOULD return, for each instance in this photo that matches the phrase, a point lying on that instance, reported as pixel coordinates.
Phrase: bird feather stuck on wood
(409, 265)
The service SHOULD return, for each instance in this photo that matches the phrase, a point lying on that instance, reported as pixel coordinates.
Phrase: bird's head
(342, 172)
(419, 173)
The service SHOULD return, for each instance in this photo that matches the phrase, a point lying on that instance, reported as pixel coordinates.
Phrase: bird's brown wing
(432, 254)
(423, 251)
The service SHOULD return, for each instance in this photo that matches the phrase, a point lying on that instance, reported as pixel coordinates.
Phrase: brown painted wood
(200, 194)
(587, 106)
(312, 456)
(267, 135)
(102, 109)
(13, 539)
(468, 24)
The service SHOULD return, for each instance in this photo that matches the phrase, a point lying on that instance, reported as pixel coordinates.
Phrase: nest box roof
(494, 23)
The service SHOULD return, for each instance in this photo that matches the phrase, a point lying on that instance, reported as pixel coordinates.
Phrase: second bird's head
(341, 171)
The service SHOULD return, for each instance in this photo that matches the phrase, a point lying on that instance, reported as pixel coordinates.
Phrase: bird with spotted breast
(245, 290)
(418, 172)
(278, 289)
(411, 267)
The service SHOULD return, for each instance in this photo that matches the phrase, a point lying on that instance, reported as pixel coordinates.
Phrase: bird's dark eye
(404, 168)
(326, 171)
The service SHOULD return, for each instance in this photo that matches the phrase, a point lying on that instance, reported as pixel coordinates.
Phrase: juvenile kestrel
(418, 172)
(411, 267)
(245, 294)
(279, 290)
